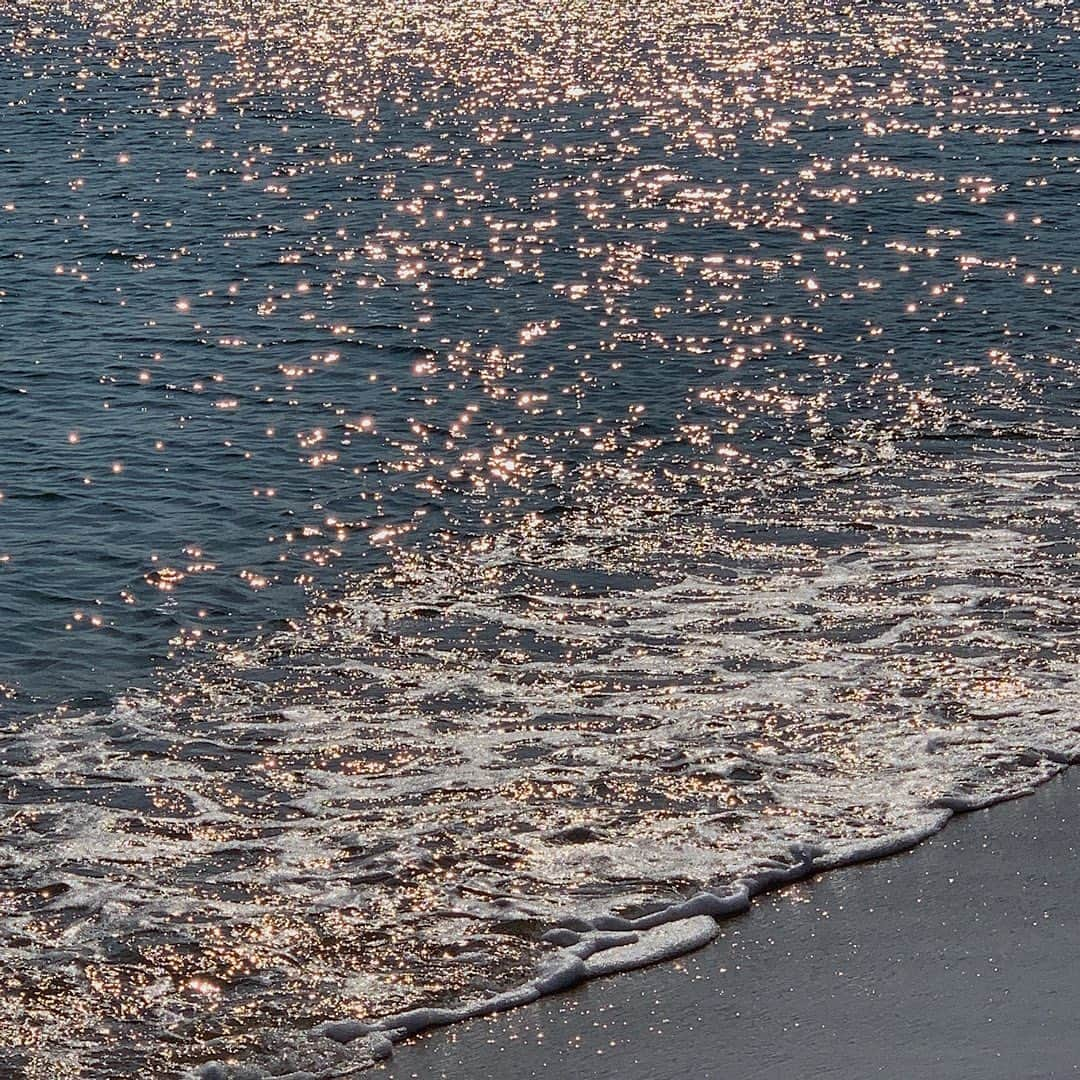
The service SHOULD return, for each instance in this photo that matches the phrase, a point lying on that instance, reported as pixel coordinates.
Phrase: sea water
(485, 489)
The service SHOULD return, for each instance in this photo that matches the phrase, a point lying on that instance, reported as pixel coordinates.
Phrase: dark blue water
(162, 475)
(466, 472)
(141, 441)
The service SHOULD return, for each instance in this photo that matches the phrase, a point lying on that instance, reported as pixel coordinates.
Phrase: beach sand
(957, 959)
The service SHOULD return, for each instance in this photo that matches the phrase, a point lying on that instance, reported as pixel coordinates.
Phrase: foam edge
(609, 944)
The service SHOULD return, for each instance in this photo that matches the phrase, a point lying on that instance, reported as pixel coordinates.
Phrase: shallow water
(473, 471)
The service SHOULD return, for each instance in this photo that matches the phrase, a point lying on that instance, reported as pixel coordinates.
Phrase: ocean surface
(477, 478)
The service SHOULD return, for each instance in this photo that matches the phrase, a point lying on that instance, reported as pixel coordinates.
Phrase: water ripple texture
(481, 486)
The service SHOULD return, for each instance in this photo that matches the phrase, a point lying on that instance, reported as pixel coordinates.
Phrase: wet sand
(957, 959)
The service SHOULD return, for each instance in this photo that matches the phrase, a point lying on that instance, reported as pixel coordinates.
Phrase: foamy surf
(345, 1047)
(555, 752)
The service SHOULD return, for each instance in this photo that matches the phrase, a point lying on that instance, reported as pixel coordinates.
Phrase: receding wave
(511, 762)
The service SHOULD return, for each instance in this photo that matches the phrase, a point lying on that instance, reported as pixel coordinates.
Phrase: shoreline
(456, 1042)
(959, 895)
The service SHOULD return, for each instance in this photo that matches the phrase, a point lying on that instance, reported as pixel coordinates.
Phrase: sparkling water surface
(469, 469)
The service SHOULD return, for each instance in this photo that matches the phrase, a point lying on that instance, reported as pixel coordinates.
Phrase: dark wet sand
(959, 959)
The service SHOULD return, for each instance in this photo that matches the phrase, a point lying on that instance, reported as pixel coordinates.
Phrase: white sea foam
(528, 776)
